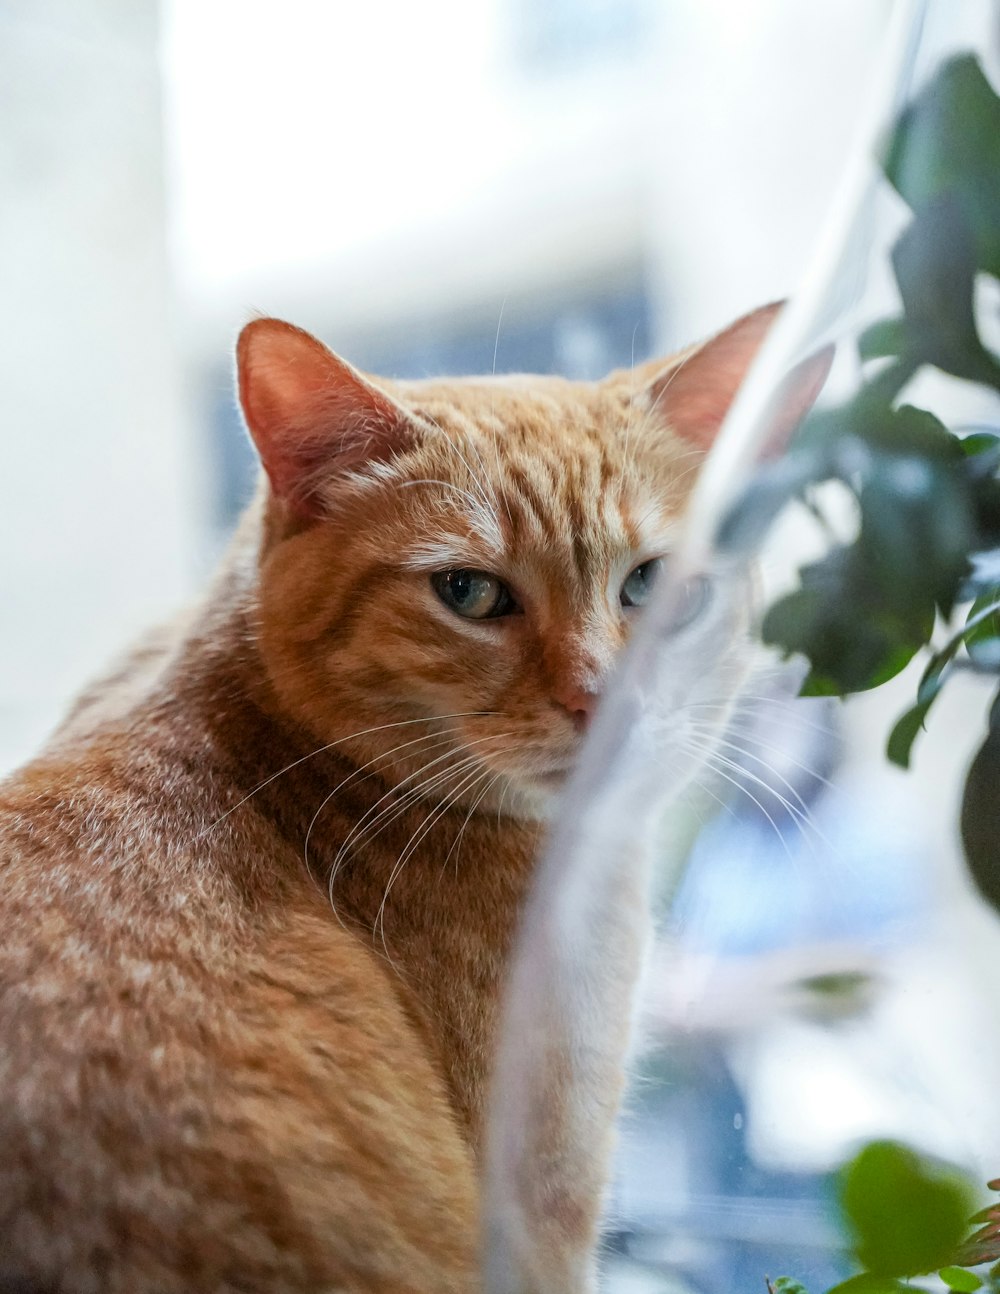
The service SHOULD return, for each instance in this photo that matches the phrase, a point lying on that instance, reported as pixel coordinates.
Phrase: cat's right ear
(311, 415)
(693, 394)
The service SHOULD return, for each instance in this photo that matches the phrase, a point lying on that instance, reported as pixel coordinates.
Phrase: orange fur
(258, 893)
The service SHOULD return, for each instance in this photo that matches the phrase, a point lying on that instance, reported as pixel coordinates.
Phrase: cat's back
(202, 1087)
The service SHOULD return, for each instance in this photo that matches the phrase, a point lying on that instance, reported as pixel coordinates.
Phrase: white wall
(98, 511)
(352, 164)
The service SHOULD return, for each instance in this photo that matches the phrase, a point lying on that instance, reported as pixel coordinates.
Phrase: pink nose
(578, 704)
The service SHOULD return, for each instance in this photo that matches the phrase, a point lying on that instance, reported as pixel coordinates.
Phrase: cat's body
(209, 1081)
(258, 896)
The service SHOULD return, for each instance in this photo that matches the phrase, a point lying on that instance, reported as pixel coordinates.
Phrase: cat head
(450, 568)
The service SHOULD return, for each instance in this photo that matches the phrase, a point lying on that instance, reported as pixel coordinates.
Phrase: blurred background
(457, 186)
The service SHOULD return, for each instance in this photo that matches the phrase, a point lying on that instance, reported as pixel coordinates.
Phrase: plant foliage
(927, 548)
(906, 1215)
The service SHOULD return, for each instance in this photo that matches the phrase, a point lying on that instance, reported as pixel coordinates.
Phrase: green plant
(906, 1215)
(927, 548)
(926, 556)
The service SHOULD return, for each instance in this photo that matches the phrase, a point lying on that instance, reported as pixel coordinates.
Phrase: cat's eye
(639, 585)
(474, 595)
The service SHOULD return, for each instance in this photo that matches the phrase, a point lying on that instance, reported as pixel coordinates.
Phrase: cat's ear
(692, 394)
(311, 415)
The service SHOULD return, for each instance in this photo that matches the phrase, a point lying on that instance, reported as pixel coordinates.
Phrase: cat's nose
(579, 704)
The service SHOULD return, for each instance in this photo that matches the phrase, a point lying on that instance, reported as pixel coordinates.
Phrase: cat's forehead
(538, 474)
(578, 443)
(530, 407)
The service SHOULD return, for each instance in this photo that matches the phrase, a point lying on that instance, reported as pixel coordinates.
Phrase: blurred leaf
(836, 983)
(905, 732)
(845, 433)
(907, 431)
(985, 573)
(884, 338)
(982, 625)
(928, 501)
(980, 819)
(983, 1246)
(853, 638)
(866, 1283)
(986, 505)
(772, 486)
(947, 142)
(982, 629)
(957, 1278)
(917, 520)
(786, 1285)
(908, 1214)
(980, 442)
(935, 265)
(916, 529)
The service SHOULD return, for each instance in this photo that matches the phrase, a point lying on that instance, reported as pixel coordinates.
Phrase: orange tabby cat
(258, 893)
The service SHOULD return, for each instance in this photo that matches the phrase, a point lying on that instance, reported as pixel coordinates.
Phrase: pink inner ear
(693, 396)
(311, 415)
(793, 399)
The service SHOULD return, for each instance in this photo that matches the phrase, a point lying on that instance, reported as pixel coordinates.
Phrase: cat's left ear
(692, 394)
(311, 415)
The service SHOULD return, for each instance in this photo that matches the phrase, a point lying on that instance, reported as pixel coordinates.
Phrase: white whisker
(707, 759)
(443, 806)
(735, 730)
(360, 825)
(364, 732)
(457, 842)
(435, 738)
(802, 819)
(392, 812)
(746, 704)
(376, 819)
(720, 741)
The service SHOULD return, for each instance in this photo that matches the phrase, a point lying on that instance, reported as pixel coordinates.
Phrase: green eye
(474, 595)
(639, 585)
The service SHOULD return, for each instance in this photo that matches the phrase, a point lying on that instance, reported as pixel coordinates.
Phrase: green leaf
(947, 142)
(884, 338)
(982, 629)
(983, 616)
(907, 1213)
(917, 518)
(979, 442)
(986, 504)
(841, 623)
(906, 431)
(866, 1283)
(957, 1278)
(861, 613)
(935, 266)
(787, 1285)
(850, 641)
(904, 733)
(980, 819)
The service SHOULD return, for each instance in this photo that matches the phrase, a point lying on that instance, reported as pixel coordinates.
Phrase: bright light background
(362, 169)
(390, 170)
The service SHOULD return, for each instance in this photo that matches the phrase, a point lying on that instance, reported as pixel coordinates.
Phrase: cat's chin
(535, 796)
(553, 780)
